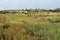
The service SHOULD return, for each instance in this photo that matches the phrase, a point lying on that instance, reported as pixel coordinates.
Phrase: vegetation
(30, 24)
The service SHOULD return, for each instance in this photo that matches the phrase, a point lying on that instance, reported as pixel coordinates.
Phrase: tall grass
(29, 28)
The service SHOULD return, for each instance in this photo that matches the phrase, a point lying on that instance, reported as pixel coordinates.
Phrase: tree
(57, 9)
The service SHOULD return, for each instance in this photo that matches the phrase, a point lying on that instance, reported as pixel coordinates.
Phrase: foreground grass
(23, 27)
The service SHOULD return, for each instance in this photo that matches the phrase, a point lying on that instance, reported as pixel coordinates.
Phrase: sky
(23, 4)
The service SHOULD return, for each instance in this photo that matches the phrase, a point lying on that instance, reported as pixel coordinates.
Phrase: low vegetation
(30, 24)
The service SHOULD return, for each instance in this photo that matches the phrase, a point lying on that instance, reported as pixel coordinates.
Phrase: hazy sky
(22, 4)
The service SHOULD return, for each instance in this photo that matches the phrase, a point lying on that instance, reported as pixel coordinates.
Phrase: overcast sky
(22, 4)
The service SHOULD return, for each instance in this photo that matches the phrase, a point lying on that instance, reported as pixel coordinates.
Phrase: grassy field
(32, 26)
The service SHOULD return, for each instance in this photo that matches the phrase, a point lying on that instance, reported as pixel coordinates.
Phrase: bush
(5, 26)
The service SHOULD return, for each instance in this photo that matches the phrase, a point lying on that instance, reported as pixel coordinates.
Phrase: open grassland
(32, 26)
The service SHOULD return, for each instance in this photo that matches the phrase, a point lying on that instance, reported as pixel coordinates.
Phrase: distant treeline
(28, 10)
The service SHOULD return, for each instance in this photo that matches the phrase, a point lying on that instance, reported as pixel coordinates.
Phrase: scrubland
(29, 25)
